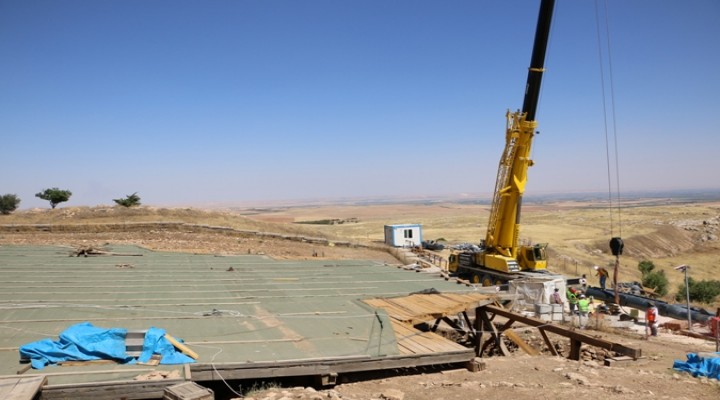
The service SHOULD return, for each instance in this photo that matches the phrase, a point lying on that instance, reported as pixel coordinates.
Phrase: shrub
(646, 267)
(129, 201)
(702, 291)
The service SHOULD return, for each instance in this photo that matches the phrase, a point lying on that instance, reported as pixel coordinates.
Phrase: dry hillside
(187, 230)
(578, 233)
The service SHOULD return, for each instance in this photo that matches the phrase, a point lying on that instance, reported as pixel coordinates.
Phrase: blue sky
(198, 102)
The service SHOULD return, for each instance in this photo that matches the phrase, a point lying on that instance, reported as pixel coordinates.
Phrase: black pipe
(676, 311)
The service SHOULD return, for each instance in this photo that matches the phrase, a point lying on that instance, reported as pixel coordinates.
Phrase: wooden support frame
(576, 338)
(495, 337)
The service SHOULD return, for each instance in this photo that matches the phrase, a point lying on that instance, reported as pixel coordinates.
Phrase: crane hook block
(616, 246)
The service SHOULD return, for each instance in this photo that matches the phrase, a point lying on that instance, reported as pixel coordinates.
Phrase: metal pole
(687, 292)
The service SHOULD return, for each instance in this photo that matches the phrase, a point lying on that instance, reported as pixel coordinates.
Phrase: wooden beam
(251, 370)
(507, 325)
(184, 349)
(129, 370)
(85, 363)
(109, 390)
(435, 325)
(512, 335)
(548, 343)
(23, 369)
(468, 323)
(479, 331)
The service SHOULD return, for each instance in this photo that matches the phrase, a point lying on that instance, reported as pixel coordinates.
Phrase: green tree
(646, 267)
(702, 291)
(129, 201)
(55, 196)
(8, 203)
(657, 281)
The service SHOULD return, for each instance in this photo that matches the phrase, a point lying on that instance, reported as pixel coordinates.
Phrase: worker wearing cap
(555, 297)
(584, 309)
(651, 320)
(602, 274)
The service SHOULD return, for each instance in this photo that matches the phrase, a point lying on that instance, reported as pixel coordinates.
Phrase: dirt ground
(524, 377)
(203, 243)
(516, 377)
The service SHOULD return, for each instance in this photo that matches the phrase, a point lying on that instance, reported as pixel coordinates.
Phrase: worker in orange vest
(602, 275)
(651, 320)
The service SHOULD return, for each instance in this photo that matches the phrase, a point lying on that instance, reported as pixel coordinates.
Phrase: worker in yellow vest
(584, 310)
(572, 299)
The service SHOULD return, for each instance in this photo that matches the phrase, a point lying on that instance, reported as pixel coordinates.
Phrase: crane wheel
(476, 278)
(487, 280)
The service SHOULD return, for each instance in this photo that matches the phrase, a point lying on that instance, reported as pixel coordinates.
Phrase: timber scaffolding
(246, 317)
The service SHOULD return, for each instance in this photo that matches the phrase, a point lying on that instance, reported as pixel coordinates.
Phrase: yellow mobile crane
(500, 258)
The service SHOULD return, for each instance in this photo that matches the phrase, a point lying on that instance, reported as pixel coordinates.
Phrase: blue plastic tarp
(700, 366)
(85, 342)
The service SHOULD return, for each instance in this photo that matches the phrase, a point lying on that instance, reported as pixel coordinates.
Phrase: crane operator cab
(533, 258)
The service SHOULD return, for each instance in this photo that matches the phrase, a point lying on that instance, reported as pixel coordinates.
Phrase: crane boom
(537, 61)
(502, 250)
(500, 258)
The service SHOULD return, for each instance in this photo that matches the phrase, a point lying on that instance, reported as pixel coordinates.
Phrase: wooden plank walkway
(418, 308)
(407, 311)
(413, 341)
(21, 388)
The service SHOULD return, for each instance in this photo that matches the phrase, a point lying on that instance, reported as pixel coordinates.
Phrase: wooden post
(575, 346)
(478, 330)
